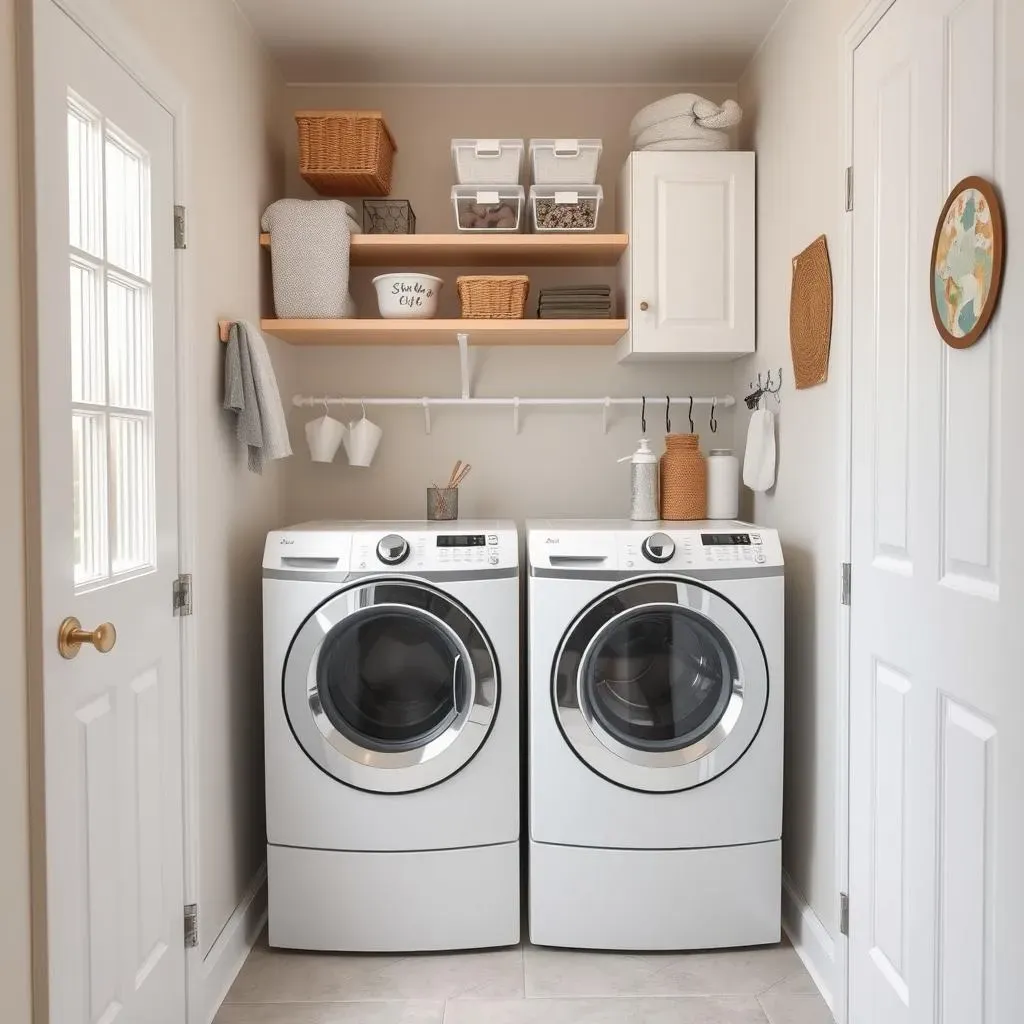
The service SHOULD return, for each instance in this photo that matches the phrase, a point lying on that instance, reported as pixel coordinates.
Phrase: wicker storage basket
(345, 152)
(684, 476)
(493, 297)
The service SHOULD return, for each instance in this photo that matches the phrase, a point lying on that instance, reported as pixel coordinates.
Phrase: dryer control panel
(582, 545)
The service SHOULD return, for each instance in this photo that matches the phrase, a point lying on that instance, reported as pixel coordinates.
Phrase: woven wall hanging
(810, 314)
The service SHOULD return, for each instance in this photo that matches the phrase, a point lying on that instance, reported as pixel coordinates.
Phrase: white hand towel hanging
(759, 459)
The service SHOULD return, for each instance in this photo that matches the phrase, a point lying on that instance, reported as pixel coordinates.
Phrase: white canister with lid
(723, 484)
(643, 506)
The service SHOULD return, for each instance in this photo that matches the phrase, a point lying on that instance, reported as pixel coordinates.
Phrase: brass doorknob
(71, 637)
(644, 307)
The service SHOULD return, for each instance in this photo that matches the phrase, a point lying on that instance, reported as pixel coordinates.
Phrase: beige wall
(561, 463)
(15, 977)
(234, 170)
(792, 97)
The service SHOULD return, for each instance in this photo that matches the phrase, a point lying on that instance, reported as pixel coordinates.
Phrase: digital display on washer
(724, 539)
(466, 540)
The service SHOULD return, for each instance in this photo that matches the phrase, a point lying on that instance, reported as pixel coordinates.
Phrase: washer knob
(392, 549)
(659, 547)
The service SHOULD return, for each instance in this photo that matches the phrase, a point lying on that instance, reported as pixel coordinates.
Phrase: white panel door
(692, 254)
(937, 617)
(109, 548)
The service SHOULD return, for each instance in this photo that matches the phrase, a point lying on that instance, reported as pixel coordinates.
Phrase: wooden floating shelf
(396, 251)
(443, 332)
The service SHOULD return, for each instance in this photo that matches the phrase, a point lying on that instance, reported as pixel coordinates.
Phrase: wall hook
(515, 415)
(714, 423)
(643, 414)
(691, 414)
(426, 414)
(604, 414)
(668, 421)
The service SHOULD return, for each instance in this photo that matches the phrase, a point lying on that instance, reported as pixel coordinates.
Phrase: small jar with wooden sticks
(443, 502)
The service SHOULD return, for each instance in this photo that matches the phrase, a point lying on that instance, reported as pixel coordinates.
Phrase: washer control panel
(461, 548)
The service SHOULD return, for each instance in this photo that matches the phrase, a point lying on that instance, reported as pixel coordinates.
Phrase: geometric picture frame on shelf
(966, 268)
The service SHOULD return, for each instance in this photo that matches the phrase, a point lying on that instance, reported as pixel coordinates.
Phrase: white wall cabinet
(687, 279)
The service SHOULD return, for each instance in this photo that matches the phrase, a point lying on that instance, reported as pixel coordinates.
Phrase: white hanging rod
(680, 407)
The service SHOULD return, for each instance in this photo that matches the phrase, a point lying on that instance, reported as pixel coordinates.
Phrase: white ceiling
(514, 41)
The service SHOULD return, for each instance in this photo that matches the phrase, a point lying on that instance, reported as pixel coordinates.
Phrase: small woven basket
(345, 152)
(493, 297)
(684, 478)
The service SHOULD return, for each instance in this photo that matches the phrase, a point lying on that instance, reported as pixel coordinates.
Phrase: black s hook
(691, 414)
(643, 414)
(714, 422)
(668, 422)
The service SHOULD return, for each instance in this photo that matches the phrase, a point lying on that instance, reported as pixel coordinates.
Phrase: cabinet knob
(644, 307)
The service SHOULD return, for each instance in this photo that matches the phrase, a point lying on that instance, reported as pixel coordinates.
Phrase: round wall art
(967, 262)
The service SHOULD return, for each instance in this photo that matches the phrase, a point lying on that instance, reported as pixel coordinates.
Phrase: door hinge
(844, 591)
(849, 189)
(191, 925)
(179, 228)
(844, 914)
(181, 601)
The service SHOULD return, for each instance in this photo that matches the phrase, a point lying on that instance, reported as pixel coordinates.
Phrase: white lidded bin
(565, 161)
(560, 208)
(488, 161)
(498, 208)
(723, 484)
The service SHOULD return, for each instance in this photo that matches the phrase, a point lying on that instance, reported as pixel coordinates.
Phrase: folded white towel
(703, 113)
(251, 393)
(759, 458)
(681, 133)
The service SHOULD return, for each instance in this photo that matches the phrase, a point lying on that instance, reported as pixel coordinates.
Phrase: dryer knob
(659, 547)
(392, 549)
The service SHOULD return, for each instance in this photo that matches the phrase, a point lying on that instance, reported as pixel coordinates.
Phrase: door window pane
(127, 206)
(85, 177)
(89, 467)
(658, 679)
(391, 679)
(131, 470)
(111, 349)
(88, 358)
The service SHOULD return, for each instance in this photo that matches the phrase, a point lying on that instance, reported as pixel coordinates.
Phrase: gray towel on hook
(251, 393)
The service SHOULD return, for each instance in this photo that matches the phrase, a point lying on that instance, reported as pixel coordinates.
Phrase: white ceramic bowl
(407, 296)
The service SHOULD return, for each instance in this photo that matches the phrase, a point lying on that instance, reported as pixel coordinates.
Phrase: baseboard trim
(215, 973)
(811, 940)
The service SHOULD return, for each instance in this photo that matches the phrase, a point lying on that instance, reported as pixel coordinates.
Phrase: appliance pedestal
(393, 902)
(655, 899)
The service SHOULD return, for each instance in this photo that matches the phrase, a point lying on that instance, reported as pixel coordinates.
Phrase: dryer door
(660, 685)
(391, 686)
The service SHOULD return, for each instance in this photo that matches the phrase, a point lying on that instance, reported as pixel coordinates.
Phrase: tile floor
(526, 985)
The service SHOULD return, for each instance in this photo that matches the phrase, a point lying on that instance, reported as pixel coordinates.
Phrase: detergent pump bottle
(643, 483)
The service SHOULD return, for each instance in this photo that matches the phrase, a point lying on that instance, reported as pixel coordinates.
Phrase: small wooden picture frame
(966, 269)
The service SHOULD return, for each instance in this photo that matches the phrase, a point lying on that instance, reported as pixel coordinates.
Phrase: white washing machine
(655, 734)
(391, 655)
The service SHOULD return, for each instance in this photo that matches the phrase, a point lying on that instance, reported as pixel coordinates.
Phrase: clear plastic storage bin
(565, 161)
(488, 161)
(499, 208)
(564, 209)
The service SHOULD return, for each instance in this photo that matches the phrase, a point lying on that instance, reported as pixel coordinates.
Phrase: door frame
(864, 23)
(117, 39)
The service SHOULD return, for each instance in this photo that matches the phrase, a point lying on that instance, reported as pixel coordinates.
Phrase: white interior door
(937, 617)
(109, 547)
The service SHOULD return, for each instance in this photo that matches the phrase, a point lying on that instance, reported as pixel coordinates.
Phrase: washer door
(391, 686)
(660, 685)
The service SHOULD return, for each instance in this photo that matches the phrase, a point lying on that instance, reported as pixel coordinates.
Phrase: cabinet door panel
(692, 254)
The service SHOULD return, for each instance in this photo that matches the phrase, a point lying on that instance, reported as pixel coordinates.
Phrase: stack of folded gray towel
(575, 302)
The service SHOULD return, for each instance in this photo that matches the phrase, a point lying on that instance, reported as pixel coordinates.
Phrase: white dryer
(391, 655)
(655, 734)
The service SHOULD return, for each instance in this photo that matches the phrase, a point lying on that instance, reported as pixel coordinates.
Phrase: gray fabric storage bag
(309, 257)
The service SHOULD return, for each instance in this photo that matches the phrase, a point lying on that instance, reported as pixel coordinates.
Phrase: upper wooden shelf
(485, 250)
(443, 332)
